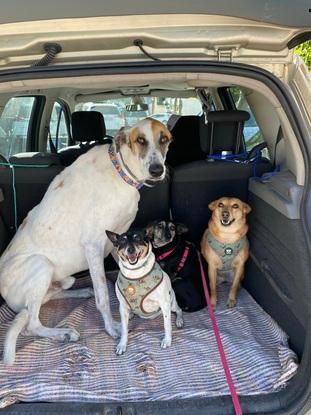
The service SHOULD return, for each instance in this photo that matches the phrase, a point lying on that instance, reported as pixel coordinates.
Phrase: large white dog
(65, 233)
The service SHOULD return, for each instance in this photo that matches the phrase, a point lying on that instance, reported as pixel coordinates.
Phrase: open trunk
(102, 63)
(270, 376)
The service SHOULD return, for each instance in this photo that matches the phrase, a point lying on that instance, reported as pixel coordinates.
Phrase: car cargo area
(90, 371)
(259, 160)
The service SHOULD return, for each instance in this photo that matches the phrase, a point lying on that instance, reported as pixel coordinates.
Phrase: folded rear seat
(196, 184)
(154, 204)
(28, 177)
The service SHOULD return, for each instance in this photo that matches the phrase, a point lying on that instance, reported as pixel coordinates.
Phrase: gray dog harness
(135, 290)
(227, 252)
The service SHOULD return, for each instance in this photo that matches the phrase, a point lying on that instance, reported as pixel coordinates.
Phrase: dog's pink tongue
(132, 258)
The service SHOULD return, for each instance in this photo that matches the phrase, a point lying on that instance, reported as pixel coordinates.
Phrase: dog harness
(135, 290)
(114, 160)
(182, 261)
(227, 252)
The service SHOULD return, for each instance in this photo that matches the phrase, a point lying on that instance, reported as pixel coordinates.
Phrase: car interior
(232, 135)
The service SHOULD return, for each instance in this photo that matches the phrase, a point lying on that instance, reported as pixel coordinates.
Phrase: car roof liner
(288, 13)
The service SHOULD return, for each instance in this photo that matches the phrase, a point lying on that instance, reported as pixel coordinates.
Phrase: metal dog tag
(131, 290)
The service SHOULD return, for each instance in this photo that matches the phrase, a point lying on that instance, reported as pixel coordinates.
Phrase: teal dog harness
(227, 252)
(135, 290)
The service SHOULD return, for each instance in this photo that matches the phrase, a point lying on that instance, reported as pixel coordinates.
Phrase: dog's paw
(231, 302)
(9, 357)
(214, 302)
(114, 330)
(70, 335)
(120, 349)
(179, 322)
(166, 342)
(89, 292)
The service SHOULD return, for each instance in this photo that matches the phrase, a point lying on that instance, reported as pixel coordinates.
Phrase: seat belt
(206, 102)
(279, 137)
(53, 149)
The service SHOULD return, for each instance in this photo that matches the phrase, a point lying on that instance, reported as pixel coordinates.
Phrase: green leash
(12, 166)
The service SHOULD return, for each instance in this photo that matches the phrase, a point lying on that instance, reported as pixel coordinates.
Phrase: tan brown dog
(224, 244)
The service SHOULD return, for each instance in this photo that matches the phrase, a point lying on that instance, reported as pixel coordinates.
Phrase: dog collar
(226, 252)
(139, 271)
(114, 160)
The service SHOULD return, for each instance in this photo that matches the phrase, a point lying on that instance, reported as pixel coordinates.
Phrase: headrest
(184, 121)
(35, 158)
(223, 132)
(88, 126)
(227, 116)
(172, 121)
(185, 146)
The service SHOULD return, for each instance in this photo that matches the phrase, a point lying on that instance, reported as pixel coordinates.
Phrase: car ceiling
(283, 12)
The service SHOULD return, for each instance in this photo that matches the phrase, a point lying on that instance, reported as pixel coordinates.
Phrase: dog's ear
(212, 205)
(114, 237)
(246, 208)
(149, 231)
(120, 138)
(181, 228)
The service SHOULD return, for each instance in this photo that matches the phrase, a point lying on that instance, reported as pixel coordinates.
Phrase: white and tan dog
(65, 233)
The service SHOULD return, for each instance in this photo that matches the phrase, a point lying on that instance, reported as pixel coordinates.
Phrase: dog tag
(131, 290)
(228, 251)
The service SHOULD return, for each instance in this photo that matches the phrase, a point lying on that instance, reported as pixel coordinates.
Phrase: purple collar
(124, 176)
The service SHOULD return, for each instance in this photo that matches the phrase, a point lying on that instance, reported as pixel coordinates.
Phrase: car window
(251, 131)
(116, 114)
(58, 128)
(106, 109)
(14, 125)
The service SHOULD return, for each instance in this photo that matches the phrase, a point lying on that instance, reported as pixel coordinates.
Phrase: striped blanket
(89, 371)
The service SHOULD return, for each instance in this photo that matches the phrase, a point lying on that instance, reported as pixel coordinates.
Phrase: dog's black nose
(225, 214)
(156, 170)
(131, 249)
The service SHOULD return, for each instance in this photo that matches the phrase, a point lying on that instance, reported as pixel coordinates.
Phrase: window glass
(117, 113)
(14, 125)
(251, 131)
(58, 128)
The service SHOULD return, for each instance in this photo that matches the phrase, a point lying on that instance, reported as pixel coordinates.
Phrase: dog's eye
(172, 227)
(163, 139)
(220, 204)
(123, 239)
(136, 237)
(235, 206)
(142, 140)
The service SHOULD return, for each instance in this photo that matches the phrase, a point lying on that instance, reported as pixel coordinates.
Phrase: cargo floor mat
(89, 370)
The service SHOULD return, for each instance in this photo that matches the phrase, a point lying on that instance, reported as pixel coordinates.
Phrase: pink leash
(234, 396)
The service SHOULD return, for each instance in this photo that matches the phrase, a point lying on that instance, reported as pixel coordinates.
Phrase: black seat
(196, 184)
(24, 183)
(154, 204)
(88, 129)
(186, 141)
